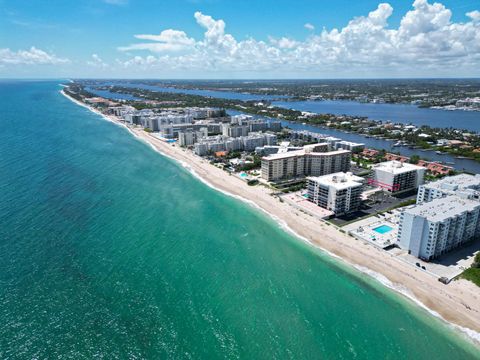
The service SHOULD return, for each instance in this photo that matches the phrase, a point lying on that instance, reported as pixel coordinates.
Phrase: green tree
(414, 159)
(476, 261)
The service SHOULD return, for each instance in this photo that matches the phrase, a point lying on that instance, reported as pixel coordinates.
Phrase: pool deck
(449, 265)
(364, 230)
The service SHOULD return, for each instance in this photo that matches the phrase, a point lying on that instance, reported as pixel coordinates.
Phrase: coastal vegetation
(473, 273)
(422, 92)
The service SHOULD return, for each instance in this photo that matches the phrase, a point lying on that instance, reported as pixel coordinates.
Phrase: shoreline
(457, 304)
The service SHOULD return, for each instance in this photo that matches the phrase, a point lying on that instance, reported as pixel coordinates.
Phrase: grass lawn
(472, 274)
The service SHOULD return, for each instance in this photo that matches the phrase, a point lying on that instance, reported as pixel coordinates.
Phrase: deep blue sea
(109, 250)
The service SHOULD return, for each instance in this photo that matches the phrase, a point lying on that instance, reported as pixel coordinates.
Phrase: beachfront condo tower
(338, 192)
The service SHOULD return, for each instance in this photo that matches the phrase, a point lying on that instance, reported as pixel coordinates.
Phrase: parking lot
(449, 265)
(378, 202)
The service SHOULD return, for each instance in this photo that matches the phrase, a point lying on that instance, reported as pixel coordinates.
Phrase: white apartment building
(202, 113)
(213, 144)
(348, 145)
(397, 177)
(339, 192)
(323, 163)
(254, 140)
(241, 119)
(122, 111)
(165, 119)
(466, 184)
(190, 137)
(235, 130)
(434, 228)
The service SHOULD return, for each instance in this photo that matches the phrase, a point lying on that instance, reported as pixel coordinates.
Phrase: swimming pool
(243, 175)
(382, 229)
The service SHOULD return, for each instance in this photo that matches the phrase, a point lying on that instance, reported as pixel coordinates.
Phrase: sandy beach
(458, 303)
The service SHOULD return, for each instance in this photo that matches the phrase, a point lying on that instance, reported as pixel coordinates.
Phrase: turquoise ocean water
(110, 250)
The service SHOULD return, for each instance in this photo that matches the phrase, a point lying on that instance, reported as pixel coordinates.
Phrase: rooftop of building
(397, 167)
(339, 180)
(223, 138)
(306, 150)
(441, 209)
(455, 182)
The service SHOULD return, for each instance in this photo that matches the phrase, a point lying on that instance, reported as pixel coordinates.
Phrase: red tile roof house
(401, 158)
(369, 153)
(435, 168)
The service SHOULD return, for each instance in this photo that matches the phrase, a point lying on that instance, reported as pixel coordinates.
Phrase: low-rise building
(434, 228)
(469, 102)
(435, 168)
(396, 157)
(337, 192)
(370, 153)
(397, 177)
(348, 145)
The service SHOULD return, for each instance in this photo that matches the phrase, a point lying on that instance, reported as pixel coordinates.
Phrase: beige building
(314, 160)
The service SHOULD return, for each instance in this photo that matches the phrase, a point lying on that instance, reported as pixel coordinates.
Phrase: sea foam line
(470, 334)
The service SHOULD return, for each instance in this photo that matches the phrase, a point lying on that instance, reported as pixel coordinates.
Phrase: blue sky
(239, 39)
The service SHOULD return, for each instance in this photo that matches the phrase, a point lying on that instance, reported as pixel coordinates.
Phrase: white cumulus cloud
(474, 15)
(309, 26)
(167, 40)
(284, 43)
(425, 43)
(32, 56)
(96, 61)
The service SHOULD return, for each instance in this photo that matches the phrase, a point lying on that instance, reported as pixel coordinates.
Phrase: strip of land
(457, 303)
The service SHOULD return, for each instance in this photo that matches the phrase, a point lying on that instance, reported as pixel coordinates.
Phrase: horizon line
(233, 79)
